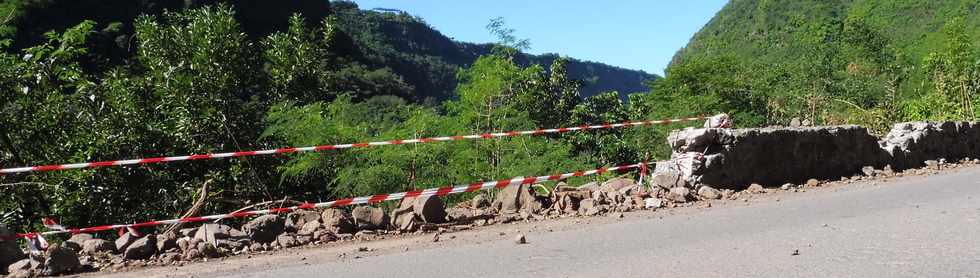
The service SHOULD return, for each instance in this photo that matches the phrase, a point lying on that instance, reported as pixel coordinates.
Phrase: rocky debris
(756, 188)
(480, 201)
(787, 186)
(212, 232)
(166, 242)
(169, 258)
(795, 122)
(24, 268)
(9, 251)
(295, 220)
(309, 228)
(324, 236)
(142, 248)
(812, 183)
(868, 171)
(588, 206)
(337, 221)
(514, 199)
(679, 194)
(763, 155)
(60, 260)
(265, 228)
(124, 241)
(430, 209)
(95, 246)
(520, 239)
(287, 240)
(80, 238)
(667, 178)
(911, 144)
(188, 232)
(932, 165)
(369, 218)
(412, 212)
(653, 203)
(709, 193)
(207, 250)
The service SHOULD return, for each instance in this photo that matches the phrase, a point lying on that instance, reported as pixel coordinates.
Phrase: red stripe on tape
(192, 219)
(396, 142)
(413, 193)
(199, 156)
(377, 198)
(101, 164)
(443, 191)
(242, 214)
(486, 136)
(151, 160)
(280, 210)
(502, 183)
(47, 168)
(342, 202)
(325, 148)
(473, 187)
(529, 180)
(286, 150)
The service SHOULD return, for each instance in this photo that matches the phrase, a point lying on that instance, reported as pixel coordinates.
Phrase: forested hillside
(831, 62)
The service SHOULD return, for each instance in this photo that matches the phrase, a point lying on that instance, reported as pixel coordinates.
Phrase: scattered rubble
(703, 167)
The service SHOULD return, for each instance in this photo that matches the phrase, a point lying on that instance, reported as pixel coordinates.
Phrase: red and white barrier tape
(140, 161)
(441, 191)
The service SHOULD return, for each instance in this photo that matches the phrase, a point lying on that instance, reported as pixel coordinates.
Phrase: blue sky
(633, 34)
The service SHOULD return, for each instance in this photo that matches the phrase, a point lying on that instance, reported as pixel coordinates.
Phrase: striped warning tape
(441, 191)
(141, 161)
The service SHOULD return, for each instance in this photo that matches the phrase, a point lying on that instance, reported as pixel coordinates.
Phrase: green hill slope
(837, 61)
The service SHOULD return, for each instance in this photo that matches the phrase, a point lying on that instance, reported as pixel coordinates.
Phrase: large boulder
(518, 198)
(80, 238)
(370, 218)
(295, 220)
(60, 260)
(337, 221)
(773, 156)
(9, 251)
(125, 240)
(265, 228)
(23, 268)
(141, 249)
(912, 143)
(97, 245)
(417, 210)
(212, 232)
(166, 242)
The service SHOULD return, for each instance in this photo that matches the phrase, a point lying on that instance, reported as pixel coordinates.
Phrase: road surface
(912, 227)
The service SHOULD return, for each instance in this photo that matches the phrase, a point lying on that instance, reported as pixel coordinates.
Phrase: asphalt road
(915, 227)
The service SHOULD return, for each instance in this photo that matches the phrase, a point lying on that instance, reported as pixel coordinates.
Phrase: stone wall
(736, 158)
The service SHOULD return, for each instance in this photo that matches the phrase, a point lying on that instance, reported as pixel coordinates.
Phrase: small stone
(142, 248)
(124, 241)
(96, 245)
(309, 228)
(166, 242)
(787, 186)
(707, 192)
(80, 238)
(265, 228)
(812, 183)
(653, 203)
(369, 218)
(756, 188)
(287, 240)
(932, 165)
(480, 201)
(208, 250)
(868, 171)
(169, 258)
(520, 239)
(679, 194)
(796, 252)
